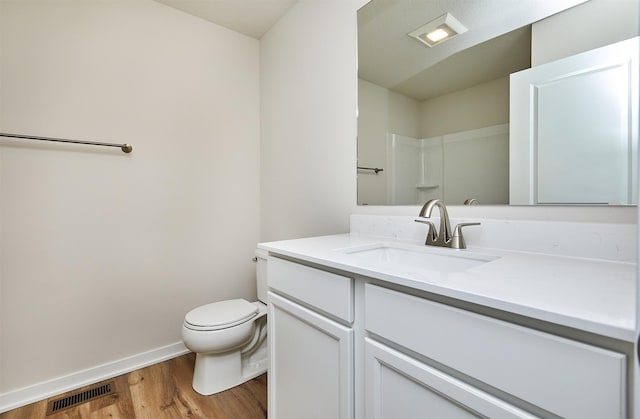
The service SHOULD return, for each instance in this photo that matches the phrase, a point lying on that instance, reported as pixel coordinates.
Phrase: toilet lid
(220, 315)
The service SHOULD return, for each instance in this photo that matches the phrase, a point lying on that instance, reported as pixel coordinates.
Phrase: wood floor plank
(161, 391)
(34, 410)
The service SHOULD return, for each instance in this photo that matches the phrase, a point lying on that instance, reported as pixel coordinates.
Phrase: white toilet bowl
(229, 339)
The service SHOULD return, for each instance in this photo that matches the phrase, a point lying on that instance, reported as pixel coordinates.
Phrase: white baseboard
(46, 389)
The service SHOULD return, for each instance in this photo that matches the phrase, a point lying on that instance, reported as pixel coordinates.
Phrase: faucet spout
(444, 234)
(444, 238)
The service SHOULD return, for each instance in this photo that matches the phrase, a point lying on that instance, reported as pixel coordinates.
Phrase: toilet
(229, 338)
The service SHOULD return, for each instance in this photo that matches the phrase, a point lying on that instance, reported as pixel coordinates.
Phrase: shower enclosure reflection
(475, 164)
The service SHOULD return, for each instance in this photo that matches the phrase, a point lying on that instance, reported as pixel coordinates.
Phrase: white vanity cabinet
(344, 345)
(310, 342)
(541, 372)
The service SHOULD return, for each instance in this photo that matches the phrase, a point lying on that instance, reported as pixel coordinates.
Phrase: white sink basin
(403, 256)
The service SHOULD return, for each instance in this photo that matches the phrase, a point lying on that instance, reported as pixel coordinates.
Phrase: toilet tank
(261, 274)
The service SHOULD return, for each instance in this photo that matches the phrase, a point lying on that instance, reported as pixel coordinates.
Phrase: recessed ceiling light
(437, 35)
(438, 30)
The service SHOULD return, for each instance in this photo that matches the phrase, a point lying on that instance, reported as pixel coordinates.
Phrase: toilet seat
(220, 315)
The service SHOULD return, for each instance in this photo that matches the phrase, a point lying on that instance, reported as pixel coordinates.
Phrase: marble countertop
(592, 295)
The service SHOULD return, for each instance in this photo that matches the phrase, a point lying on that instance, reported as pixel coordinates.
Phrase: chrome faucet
(444, 237)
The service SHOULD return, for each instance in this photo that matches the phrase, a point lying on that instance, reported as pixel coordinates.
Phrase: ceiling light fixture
(438, 30)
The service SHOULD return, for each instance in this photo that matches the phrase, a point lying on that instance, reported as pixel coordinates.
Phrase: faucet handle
(457, 241)
(432, 235)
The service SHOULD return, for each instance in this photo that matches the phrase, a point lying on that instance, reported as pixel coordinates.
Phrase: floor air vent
(79, 397)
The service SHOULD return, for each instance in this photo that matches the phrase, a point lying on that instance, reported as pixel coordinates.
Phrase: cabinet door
(311, 364)
(398, 386)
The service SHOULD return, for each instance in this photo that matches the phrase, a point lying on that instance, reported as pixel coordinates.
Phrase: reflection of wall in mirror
(592, 24)
(380, 111)
(383, 112)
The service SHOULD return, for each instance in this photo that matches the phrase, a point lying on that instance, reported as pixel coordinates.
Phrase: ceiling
(250, 17)
(498, 30)
(497, 43)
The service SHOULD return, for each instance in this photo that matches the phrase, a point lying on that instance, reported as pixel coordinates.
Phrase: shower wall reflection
(425, 147)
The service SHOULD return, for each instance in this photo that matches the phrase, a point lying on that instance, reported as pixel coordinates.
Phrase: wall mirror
(436, 119)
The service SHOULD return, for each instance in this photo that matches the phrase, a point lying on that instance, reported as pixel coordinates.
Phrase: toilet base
(214, 373)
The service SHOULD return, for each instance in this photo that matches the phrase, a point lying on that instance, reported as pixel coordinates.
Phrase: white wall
(102, 253)
(479, 106)
(590, 25)
(308, 134)
(404, 115)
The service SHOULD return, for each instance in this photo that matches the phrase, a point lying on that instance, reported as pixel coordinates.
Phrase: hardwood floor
(161, 391)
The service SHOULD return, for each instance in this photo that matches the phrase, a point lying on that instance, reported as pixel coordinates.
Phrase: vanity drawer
(562, 376)
(326, 291)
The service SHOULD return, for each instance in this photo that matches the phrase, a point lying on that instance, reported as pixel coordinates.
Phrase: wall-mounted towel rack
(375, 169)
(126, 148)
